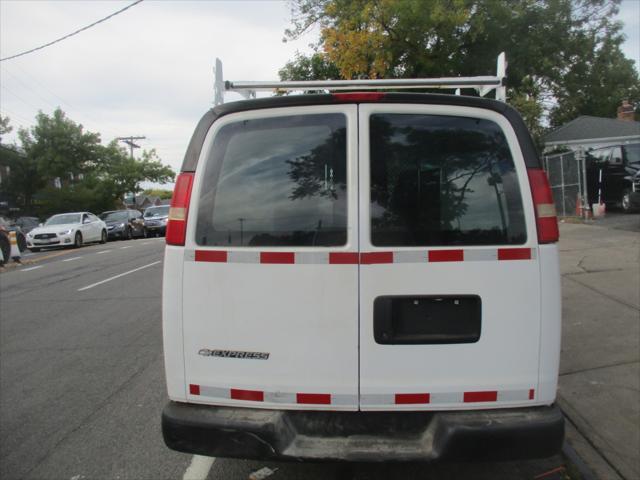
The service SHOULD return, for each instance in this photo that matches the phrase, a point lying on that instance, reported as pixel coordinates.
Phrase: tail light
(179, 210)
(546, 219)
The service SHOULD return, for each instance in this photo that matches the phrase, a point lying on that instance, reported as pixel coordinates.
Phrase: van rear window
(442, 180)
(276, 182)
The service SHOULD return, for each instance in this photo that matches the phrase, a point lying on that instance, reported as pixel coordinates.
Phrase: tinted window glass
(601, 155)
(439, 180)
(632, 153)
(156, 211)
(616, 156)
(63, 219)
(115, 217)
(276, 181)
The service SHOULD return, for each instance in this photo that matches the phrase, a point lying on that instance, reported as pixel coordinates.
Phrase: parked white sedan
(67, 229)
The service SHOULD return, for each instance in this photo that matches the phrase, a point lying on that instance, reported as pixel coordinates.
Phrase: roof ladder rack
(483, 84)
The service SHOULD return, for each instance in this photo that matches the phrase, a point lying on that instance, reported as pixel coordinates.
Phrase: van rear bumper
(363, 436)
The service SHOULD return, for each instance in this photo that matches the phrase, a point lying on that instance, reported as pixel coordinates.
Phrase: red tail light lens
(179, 210)
(546, 219)
(358, 96)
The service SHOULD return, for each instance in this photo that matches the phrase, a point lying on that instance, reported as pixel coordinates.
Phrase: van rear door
(270, 296)
(449, 275)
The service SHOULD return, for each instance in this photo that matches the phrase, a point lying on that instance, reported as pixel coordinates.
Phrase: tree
(60, 147)
(597, 85)
(562, 54)
(25, 178)
(160, 193)
(89, 175)
(313, 67)
(125, 174)
(4, 126)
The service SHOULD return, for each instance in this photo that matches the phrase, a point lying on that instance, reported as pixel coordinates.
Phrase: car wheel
(78, 240)
(34, 249)
(22, 241)
(625, 202)
(103, 237)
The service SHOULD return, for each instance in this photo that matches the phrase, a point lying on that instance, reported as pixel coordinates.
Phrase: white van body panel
(314, 319)
(304, 315)
(550, 322)
(172, 322)
(505, 359)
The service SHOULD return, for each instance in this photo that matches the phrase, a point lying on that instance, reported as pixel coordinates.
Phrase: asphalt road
(82, 381)
(617, 220)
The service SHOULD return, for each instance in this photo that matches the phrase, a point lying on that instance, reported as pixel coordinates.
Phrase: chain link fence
(567, 179)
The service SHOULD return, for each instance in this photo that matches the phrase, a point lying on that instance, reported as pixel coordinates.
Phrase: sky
(149, 71)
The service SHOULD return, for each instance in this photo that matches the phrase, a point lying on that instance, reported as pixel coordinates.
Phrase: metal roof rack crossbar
(482, 84)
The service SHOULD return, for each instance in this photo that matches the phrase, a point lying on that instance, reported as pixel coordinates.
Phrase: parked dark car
(124, 224)
(27, 224)
(155, 220)
(615, 172)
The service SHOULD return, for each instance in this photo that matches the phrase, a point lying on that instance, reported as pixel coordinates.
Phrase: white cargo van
(362, 277)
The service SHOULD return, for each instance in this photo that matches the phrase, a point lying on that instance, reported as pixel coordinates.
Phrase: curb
(582, 452)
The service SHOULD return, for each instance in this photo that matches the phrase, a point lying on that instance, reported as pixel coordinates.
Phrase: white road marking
(199, 468)
(30, 268)
(103, 251)
(71, 259)
(122, 248)
(118, 276)
(144, 243)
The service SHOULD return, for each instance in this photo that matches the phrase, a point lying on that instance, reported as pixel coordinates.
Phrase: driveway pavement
(600, 363)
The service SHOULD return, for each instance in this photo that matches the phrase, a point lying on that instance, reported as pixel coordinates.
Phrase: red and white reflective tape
(364, 258)
(418, 398)
(427, 398)
(300, 398)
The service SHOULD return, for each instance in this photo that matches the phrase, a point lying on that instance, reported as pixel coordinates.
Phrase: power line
(72, 33)
(4, 87)
(13, 116)
(39, 84)
(29, 89)
(70, 110)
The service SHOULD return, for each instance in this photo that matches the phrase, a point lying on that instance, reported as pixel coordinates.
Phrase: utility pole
(129, 141)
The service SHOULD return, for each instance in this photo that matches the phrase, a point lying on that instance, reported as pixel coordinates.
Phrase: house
(589, 132)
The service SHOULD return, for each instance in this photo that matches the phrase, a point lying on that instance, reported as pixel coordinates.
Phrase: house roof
(587, 127)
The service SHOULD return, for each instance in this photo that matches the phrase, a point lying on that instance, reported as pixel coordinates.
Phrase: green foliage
(90, 194)
(125, 173)
(4, 126)
(156, 192)
(564, 55)
(313, 67)
(93, 177)
(597, 85)
(60, 146)
(24, 180)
